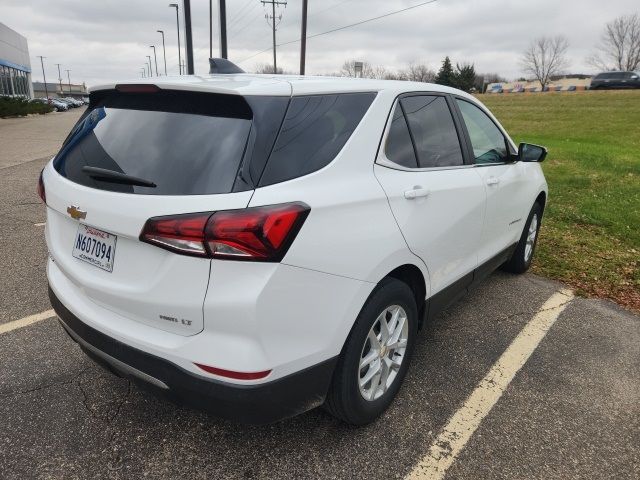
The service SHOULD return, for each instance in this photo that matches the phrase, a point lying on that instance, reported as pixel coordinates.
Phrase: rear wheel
(522, 257)
(376, 356)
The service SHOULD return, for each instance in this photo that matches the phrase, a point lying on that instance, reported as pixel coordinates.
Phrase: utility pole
(150, 71)
(69, 78)
(186, 6)
(155, 58)
(273, 18)
(175, 5)
(223, 28)
(164, 52)
(303, 37)
(59, 77)
(46, 92)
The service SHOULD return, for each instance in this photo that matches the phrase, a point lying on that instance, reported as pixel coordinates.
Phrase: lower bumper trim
(253, 404)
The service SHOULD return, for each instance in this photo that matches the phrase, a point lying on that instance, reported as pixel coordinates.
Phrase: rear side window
(433, 131)
(186, 143)
(399, 148)
(314, 131)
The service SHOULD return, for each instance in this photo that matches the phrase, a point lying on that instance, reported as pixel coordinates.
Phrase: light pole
(150, 70)
(46, 92)
(303, 38)
(175, 5)
(188, 37)
(223, 28)
(143, 72)
(59, 77)
(69, 79)
(164, 52)
(155, 59)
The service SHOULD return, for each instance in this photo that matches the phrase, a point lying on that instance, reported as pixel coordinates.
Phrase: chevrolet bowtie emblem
(76, 213)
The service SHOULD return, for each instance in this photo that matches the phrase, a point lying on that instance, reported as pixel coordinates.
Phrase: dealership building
(15, 66)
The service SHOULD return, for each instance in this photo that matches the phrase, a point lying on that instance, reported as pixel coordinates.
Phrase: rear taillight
(257, 233)
(41, 192)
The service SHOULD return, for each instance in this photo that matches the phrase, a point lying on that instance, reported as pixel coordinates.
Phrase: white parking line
(23, 322)
(462, 425)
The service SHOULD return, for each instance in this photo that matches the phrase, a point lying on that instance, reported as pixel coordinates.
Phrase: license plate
(95, 247)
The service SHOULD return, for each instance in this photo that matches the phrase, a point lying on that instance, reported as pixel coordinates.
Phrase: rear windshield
(184, 143)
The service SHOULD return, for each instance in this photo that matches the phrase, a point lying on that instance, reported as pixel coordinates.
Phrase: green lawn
(590, 237)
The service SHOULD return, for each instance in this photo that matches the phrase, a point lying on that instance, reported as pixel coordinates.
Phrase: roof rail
(224, 66)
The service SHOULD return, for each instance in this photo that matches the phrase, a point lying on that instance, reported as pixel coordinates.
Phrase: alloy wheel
(383, 352)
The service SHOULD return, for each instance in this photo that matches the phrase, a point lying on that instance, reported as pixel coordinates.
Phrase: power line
(313, 14)
(274, 25)
(243, 12)
(342, 28)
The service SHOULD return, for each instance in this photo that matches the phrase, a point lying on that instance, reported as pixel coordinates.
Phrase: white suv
(257, 246)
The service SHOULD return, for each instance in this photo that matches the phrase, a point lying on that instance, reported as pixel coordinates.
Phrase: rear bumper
(256, 404)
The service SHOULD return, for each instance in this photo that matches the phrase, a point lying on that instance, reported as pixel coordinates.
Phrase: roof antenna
(224, 66)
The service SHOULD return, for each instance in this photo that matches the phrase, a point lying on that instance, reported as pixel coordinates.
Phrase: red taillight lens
(41, 192)
(258, 233)
(178, 233)
(232, 374)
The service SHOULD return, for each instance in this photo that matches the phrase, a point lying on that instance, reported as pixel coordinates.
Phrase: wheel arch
(414, 278)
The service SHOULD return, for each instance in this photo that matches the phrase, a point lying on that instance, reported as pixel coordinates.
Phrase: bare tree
(419, 72)
(349, 69)
(619, 47)
(267, 68)
(545, 58)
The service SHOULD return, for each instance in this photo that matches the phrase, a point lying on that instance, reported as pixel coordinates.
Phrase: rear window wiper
(116, 177)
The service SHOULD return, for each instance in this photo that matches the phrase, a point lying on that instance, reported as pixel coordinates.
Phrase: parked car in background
(615, 80)
(58, 105)
(74, 101)
(285, 253)
(59, 102)
(70, 102)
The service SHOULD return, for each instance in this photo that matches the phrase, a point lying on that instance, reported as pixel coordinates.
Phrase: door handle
(493, 181)
(416, 192)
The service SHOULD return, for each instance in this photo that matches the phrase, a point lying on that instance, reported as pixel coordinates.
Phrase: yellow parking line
(23, 322)
(462, 425)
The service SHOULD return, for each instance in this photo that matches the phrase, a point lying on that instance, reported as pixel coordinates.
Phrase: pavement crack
(67, 381)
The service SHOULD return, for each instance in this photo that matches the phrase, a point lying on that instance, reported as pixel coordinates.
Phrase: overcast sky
(109, 39)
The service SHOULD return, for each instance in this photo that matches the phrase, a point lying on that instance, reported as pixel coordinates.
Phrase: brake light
(41, 192)
(137, 88)
(255, 234)
(231, 374)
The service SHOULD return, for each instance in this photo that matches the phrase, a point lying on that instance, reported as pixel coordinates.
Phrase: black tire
(519, 263)
(344, 399)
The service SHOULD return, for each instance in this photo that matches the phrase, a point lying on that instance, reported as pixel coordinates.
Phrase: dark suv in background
(615, 80)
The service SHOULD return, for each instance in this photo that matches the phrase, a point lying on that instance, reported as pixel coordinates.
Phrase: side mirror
(528, 152)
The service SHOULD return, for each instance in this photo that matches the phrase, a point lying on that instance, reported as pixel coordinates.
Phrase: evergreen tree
(465, 76)
(446, 75)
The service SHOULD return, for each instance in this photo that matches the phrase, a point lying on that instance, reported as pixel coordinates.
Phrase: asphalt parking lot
(571, 411)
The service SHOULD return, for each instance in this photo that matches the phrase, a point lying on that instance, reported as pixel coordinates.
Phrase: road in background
(37, 136)
(572, 411)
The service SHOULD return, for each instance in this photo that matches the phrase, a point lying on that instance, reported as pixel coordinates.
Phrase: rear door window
(434, 133)
(399, 148)
(185, 143)
(314, 130)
